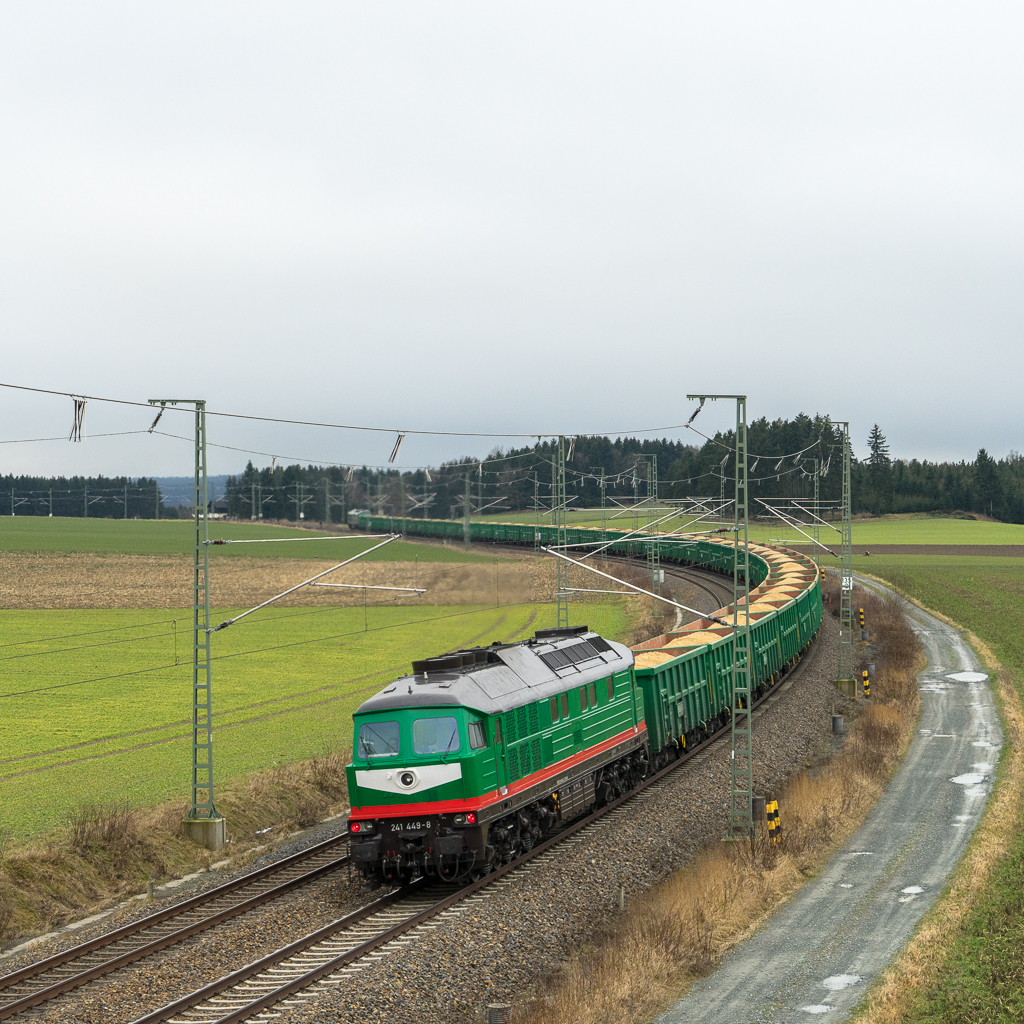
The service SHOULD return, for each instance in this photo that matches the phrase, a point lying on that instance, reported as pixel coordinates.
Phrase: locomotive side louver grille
(513, 765)
(522, 723)
(510, 727)
(535, 750)
(534, 719)
(524, 763)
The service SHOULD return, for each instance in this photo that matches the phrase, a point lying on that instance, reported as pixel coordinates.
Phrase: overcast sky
(523, 217)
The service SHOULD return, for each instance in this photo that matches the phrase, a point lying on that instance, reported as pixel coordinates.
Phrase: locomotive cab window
(565, 705)
(583, 698)
(378, 739)
(435, 736)
(554, 709)
(477, 738)
(611, 687)
(593, 695)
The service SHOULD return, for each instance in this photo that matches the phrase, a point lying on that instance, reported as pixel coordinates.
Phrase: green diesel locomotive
(464, 764)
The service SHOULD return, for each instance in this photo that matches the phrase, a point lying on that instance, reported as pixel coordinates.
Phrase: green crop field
(983, 980)
(96, 705)
(176, 536)
(903, 529)
(916, 530)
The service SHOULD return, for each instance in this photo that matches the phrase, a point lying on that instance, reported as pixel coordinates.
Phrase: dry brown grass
(106, 852)
(679, 930)
(81, 580)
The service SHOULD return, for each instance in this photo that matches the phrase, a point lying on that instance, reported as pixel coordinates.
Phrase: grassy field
(175, 537)
(982, 980)
(909, 529)
(96, 705)
(919, 530)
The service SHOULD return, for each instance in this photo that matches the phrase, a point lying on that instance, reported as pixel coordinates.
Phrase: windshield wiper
(454, 736)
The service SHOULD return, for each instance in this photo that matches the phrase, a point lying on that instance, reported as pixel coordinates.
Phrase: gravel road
(819, 952)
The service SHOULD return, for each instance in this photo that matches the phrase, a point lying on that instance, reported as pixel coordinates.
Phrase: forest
(783, 457)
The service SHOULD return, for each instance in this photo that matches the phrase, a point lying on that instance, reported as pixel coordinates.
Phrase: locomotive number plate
(411, 826)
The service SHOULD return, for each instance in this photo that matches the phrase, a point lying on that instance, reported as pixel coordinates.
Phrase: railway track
(720, 592)
(42, 982)
(298, 973)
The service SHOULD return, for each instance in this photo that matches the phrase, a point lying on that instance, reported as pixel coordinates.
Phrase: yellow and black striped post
(822, 571)
(867, 683)
(774, 825)
(860, 617)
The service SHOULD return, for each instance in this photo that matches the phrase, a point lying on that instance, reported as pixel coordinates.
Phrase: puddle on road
(970, 779)
(968, 677)
(845, 885)
(862, 853)
(984, 743)
(912, 890)
(817, 1008)
(841, 981)
(981, 766)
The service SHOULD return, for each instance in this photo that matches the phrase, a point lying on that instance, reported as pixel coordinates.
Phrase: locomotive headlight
(408, 779)
(459, 819)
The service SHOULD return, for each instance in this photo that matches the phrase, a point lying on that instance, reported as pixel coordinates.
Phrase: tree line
(783, 458)
(93, 497)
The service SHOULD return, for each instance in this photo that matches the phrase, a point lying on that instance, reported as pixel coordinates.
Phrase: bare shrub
(327, 773)
(6, 918)
(104, 832)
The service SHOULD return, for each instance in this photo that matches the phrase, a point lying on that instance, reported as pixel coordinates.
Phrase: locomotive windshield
(378, 739)
(435, 736)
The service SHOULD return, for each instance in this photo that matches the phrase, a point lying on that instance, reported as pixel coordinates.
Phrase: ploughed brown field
(82, 580)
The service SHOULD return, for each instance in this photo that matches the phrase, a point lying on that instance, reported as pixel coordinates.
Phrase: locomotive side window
(565, 705)
(611, 688)
(378, 739)
(435, 736)
(477, 739)
(583, 698)
(554, 709)
(593, 695)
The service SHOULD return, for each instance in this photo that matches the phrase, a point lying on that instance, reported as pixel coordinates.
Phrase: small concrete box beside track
(208, 832)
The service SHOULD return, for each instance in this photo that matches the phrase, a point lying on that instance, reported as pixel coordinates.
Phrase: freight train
(466, 763)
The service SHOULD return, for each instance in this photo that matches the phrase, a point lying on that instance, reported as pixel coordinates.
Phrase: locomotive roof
(500, 677)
